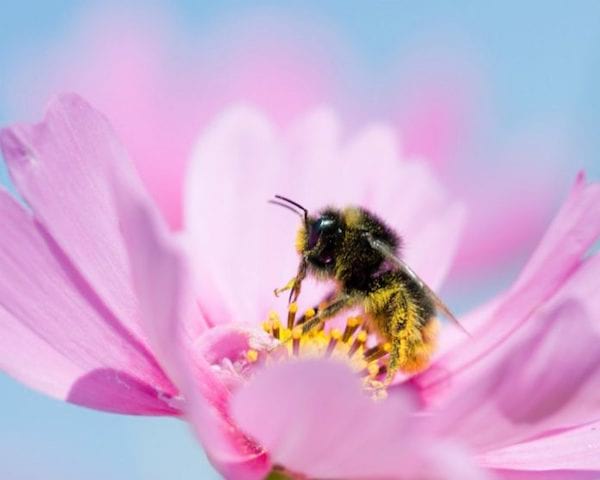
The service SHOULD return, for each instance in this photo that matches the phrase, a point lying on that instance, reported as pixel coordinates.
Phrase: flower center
(350, 344)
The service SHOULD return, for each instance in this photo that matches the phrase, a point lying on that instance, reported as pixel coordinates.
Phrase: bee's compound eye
(318, 227)
(313, 236)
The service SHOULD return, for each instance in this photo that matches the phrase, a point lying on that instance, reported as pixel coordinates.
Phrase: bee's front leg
(288, 286)
(295, 284)
(321, 306)
(339, 303)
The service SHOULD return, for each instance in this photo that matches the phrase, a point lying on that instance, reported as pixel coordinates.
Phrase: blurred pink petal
(440, 100)
(236, 167)
(158, 99)
(167, 82)
(243, 160)
(414, 202)
(326, 427)
(509, 215)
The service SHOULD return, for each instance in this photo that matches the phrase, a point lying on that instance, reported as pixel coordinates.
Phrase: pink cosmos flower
(103, 306)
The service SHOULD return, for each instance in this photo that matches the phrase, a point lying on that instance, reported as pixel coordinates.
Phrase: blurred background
(501, 99)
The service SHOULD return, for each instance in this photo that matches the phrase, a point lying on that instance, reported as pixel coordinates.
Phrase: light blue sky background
(541, 59)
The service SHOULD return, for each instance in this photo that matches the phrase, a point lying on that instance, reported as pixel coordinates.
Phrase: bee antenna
(286, 206)
(295, 204)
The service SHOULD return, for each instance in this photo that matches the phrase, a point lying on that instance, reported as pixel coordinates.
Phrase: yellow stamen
(351, 326)
(348, 343)
(335, 337)
(373, 369)
(292, 309)
(359, 341)
(252, 356)
(296, 336)
(276, 326)
(267, 326)
(310, 313)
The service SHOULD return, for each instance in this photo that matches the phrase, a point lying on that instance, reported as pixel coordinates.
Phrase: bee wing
(441, 307)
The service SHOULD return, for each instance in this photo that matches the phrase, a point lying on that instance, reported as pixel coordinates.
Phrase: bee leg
(339, 303)
(321, 306)
(397, 330)
(411, 348)
(288, 286)
(394, 361)
(294, 285)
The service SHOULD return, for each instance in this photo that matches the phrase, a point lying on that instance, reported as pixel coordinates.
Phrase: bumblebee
(357, 250)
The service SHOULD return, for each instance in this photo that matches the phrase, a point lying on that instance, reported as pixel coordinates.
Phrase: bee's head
(319, 237)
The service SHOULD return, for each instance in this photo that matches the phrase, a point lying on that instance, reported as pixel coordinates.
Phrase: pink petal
(559, 255)
(438, 102)
(59, 337)
(406, 194)
(314, 419)
(239, 245)
(62, 168)
(546, 376)
(171, 319)
(174, 326)
(574, 449)
(368, 170)
(231, 452)
(242, 161)
(157, 100)
(573, 231)
(225, 347)
(565, 474)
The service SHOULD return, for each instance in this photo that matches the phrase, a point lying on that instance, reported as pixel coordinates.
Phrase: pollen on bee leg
(378, 351)
(308, 314)
(292, 310)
